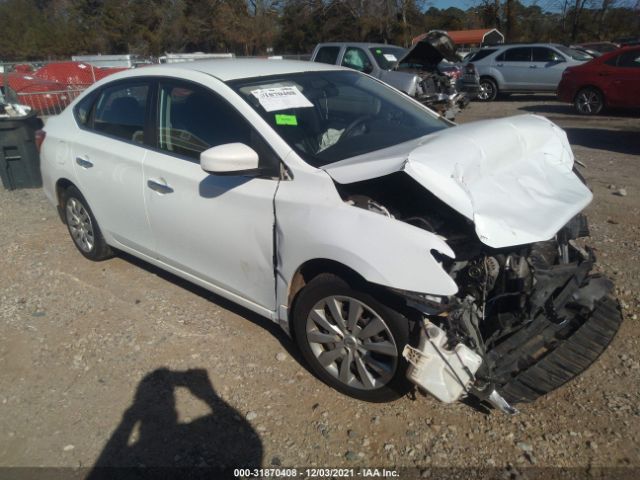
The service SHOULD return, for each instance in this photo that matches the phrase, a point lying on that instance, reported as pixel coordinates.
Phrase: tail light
(40, 134)
(453, 74)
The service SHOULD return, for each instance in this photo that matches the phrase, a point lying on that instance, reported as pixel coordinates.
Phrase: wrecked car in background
(395, 248)
(429, 71)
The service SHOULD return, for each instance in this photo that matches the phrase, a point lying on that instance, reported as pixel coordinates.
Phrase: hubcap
(80, 225)
(352, 342)
(588, 102)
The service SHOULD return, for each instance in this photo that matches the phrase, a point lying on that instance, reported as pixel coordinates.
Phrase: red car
(611, 80)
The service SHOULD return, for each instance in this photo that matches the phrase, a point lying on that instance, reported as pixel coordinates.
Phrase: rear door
(514, 66)
(546, 68)
(217, 229)
(108, 153)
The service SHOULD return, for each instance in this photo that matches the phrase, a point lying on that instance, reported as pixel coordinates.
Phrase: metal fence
(49, 102)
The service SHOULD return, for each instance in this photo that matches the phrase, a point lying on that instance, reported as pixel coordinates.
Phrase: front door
(218, 229)
(547, 66)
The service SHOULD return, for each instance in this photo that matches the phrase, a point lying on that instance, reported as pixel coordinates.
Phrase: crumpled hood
(430, 50)
(512, 176)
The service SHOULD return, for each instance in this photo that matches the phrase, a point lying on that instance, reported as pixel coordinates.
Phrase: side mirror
(230, 159)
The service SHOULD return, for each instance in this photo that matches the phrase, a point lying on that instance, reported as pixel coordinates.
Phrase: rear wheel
(83, 227)
(351, 341)
(589, 101)
(488, 90)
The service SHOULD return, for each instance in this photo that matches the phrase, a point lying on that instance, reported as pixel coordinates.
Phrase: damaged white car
(392, 245)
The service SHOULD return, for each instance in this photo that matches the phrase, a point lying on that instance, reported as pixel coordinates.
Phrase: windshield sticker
(390, 57)
(282, 119)
(378, 50)
(281, 98)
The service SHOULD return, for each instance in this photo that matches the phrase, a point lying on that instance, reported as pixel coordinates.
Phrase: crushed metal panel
(513, 176)
(383, 250)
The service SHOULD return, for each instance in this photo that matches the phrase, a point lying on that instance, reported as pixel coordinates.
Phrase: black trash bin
(19, 158)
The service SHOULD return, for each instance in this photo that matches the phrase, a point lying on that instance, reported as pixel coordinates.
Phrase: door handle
(159, 187)
(84, 162)
(499, 65)
(533, 66)
(603, 74)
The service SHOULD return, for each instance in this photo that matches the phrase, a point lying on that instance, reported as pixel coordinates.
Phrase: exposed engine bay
(525, 319)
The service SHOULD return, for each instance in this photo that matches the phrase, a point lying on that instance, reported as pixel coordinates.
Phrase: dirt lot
(95, 358)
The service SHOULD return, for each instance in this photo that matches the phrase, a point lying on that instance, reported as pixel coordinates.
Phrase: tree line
(52, 29)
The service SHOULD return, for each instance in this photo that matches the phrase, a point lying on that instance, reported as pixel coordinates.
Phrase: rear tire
(83, 227)
(589, 101)
(359, 353)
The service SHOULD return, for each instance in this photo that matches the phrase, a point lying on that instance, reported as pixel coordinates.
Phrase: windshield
(574, 54)
(329, 116)
(387, 57)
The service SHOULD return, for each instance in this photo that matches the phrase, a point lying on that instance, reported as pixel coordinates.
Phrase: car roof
(358, 44)
(227, 69)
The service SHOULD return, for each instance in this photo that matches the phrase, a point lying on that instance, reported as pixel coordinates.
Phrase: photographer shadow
(150, 441)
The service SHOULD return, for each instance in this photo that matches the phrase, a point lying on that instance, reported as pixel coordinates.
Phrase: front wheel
(352, 341)
(488, 90)
(589, 101)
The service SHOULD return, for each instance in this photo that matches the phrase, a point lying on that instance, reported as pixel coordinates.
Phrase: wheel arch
(319, 266)
(61, 186)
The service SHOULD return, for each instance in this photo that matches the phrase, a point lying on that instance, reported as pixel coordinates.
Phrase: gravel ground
(118, 363)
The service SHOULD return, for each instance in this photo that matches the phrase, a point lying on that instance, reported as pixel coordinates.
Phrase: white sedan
(389, 243)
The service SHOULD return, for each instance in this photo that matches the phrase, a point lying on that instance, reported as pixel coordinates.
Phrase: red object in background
(40, 98)
(612, 79)
(74, 74)
(63, 79)
(23, 68)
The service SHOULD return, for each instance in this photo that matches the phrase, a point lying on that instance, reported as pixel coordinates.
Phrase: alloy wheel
(352, 342)
(80, 225)
(588, 102)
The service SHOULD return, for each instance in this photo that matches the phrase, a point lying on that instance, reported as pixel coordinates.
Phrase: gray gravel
(94, 354)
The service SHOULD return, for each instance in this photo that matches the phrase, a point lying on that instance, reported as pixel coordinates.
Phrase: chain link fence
(48, 87)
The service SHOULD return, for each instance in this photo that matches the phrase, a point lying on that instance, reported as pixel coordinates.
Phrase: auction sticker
(281, 98)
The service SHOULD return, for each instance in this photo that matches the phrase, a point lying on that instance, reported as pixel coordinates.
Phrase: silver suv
(535, 67)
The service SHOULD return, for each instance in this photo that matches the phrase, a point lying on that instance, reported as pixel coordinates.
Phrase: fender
(381, 249)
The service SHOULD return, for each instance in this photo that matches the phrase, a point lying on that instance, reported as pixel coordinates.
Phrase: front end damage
(527, 317)
(445, 90)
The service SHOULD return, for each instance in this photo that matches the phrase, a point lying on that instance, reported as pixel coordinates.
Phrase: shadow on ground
(270, 326)
(620, 141)
(149, 438)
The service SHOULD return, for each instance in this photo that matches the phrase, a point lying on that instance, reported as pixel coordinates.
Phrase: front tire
(488, 90)
(589, 101)
(351, 341)
(83, 227)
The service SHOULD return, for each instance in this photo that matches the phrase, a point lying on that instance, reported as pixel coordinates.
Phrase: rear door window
(328, 55)
(546, 55)
(520, 54)
(121, 110)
